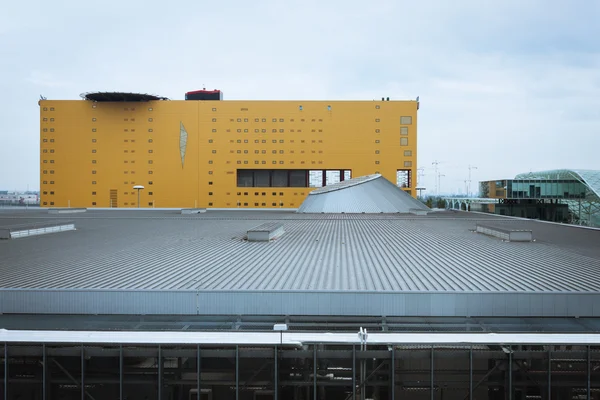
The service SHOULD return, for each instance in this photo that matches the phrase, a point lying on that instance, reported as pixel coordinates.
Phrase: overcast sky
(507, 86)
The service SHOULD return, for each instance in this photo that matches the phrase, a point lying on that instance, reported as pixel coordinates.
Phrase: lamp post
(138, 188)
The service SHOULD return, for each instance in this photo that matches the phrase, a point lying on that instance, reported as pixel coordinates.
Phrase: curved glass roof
(590, 178)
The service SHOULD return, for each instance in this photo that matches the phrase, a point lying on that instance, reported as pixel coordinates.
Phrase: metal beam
(160, 366)
(353, 372)
(589, 373)
(431, 377)
(5, 370)
(471, 373)
(45, 371)
(276, 374)
(393, 374)
(82, 372)
(314, 372)
(510, 387)
(549, 373)
(121, 372)
(237, 372)
(198, 371)
(72, 378)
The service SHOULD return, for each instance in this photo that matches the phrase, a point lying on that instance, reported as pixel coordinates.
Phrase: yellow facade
(93, 153)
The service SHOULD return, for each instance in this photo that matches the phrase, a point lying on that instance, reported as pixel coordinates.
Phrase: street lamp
(138, 188)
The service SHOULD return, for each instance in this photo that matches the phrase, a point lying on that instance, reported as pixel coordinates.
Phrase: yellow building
(219, 154)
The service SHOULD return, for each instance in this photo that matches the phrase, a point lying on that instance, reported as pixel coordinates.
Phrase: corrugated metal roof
(365, 194)
(163, 262)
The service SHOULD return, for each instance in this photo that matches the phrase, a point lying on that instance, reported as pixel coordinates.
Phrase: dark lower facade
(306, 372)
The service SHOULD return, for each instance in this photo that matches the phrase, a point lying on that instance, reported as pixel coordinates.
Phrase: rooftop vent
(510, 235)
(34, 229)
(265, 232)
(66, 210)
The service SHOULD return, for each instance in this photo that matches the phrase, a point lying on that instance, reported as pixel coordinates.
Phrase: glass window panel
(298, 178)
(262, 178)
(280, 178)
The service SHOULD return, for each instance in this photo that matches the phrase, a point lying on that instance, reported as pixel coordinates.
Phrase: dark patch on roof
(120, 97)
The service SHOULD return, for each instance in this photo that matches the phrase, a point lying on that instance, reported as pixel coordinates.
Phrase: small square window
(377, 131)
(408, 163)
(150, 182)
(150, 119)
(256, 130)
(245, 130)
(210, 161)
(239, 152)
(406, 120)
(93, 161)
(403, 141)
(149, 172)
(274, 119)
(264, 120)
(94, 150)
(93, 140)
(214, 120)
(45, 108)
(150, 130)
(210, 140)
(214, 109)
(93, 182)
(51, 161)
(149, 140)
(51, 140)
(281, 120)
(214, 152)
(376, 151)
(280, 162)
(210, 183)
(263, 130)
(93, 119)
(45, 140)
(210, 172)
(377, 141)
(404, 130)
(376, 162)
(210, 193)
(150, 162)
(93, 172)
(239, 120)
(149, 108)
(274, 130)
(245, 151)
(407, 153)
(51, 129)
(377, 120)
(281, 141)
(239, 162)
(214, 130)
(281, 130)
(45, 161)
(264, 141)
(46, 119)
(150, 193)
(377, 107)
(245, 119)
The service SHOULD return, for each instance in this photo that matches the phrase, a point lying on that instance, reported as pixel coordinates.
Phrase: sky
(505, 86)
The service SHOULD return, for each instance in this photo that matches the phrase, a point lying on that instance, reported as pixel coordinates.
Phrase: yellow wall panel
(108, 146)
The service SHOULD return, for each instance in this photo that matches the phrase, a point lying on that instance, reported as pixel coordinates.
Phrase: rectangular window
(403, 141)
(407, 153)
(406, 120)
(408, 163)
(404, 130)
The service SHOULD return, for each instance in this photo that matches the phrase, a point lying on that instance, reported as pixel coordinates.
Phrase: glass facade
(544, 189)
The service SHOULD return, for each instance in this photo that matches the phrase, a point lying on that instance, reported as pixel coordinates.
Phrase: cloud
(45, 79)
(507, 86)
